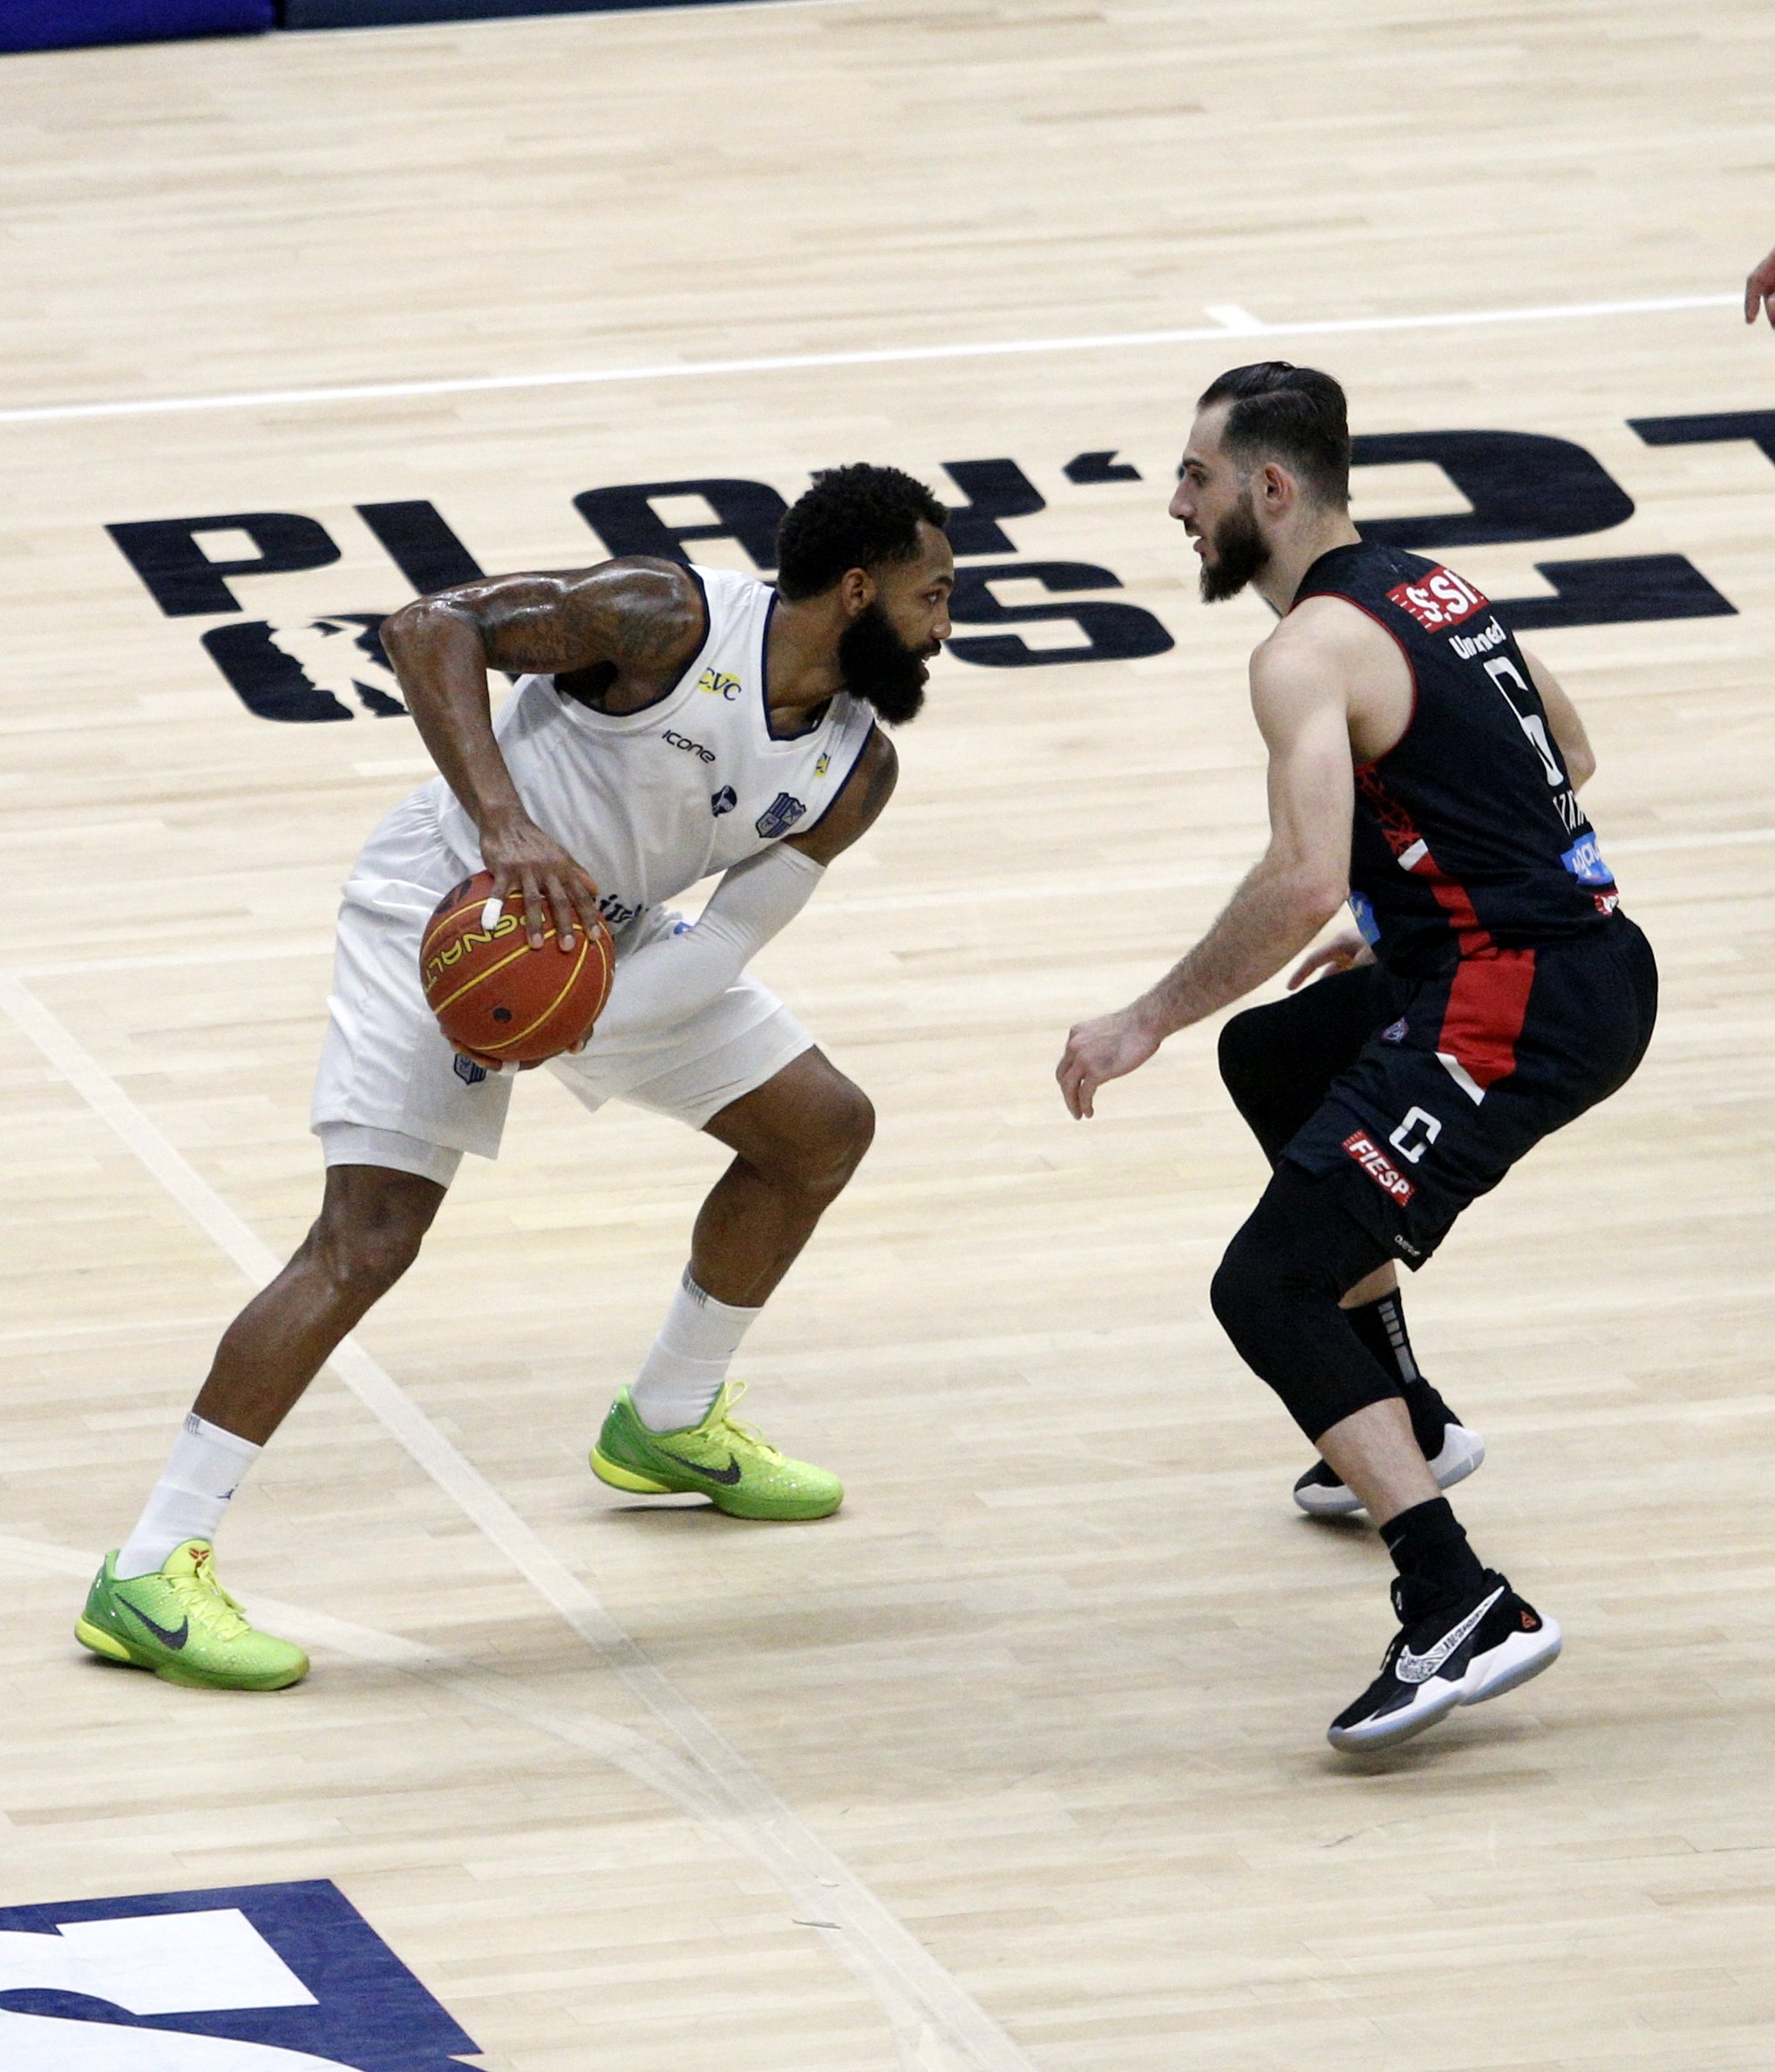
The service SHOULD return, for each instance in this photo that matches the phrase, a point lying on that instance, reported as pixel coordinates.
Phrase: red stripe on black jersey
(1395, 823)
(1402, 838)
(1487, 1005)
(1457, 902)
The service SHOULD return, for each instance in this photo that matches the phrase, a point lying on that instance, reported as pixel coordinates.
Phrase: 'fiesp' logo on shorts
(1379, 1168)
(1438, 600)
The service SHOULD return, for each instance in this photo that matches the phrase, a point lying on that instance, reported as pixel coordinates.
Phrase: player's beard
(879, 667)
(1241, 551)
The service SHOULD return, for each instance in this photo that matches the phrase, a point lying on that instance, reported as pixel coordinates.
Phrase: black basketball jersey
(1467, 835)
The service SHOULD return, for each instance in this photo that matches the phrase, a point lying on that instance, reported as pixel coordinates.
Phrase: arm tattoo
(639, 615)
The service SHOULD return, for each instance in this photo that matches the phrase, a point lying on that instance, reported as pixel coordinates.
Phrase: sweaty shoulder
(635, 618)
(643, 610)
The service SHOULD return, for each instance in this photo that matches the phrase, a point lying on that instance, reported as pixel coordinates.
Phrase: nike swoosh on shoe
(729, 1474)
(1419, 1669)
(165, 1639)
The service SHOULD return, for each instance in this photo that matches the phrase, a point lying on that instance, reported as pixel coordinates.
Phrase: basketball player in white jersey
(676, 721)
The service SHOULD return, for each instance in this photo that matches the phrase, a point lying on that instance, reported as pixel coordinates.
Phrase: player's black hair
(854, 517)
(1295, 415)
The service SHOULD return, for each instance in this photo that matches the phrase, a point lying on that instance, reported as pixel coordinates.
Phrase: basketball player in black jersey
(1423, 766)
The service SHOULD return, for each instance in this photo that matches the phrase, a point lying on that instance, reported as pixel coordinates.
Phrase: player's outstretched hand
(1109, 1048)
(526, 861)
(1343, 952)
(1760, 291)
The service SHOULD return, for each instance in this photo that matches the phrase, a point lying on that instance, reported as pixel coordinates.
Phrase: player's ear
(856, 592)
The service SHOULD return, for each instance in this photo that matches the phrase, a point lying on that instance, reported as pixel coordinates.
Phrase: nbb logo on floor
(281, 1976)
(1520, 486)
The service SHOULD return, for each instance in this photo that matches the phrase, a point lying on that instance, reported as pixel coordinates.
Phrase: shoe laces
(744, 1433)
(209, 1604)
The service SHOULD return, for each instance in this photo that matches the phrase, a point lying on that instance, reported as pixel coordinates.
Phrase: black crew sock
(1430, 1550)
(1381, 1327)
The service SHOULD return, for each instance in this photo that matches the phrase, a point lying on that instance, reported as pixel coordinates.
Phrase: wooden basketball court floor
(1017, 1763)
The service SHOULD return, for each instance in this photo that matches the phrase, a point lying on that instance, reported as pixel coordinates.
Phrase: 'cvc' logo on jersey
(259, 1978)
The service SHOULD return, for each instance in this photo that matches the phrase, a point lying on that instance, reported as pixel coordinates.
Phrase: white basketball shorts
(390, 1091)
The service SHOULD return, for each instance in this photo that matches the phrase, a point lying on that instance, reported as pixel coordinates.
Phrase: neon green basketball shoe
(724, 1461)
(181, 1624)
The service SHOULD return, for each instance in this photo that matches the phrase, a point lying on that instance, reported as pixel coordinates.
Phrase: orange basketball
(496, 996)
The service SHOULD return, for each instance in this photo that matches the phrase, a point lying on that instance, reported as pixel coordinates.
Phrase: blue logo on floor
(279, 1976)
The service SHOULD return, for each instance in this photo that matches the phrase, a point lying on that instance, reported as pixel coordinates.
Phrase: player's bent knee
(365, 1261)
(847, 1130)
(856, 1130)
(1246, 1287)
(368, 1235)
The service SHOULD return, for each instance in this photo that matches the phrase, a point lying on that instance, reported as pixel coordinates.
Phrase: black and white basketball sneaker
(1451, 1448)
(1320, 1494)
(1460, 1652)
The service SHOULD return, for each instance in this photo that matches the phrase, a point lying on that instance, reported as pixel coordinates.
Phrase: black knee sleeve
(1276, 1293)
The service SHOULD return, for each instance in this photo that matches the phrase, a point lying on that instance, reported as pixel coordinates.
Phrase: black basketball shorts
(1419, 1094)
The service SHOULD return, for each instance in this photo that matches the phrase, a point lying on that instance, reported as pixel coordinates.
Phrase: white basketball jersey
(649, 802)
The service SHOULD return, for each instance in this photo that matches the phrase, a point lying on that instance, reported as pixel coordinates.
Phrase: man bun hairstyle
(1294, 414)
(854, 517)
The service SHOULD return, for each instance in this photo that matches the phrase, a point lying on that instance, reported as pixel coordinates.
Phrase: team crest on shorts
(292, 1976)
(470, 1073)
(780, 816)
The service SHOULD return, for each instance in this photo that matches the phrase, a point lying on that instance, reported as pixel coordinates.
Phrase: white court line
(679, 1780)
(1241, 324)
(917, 1995)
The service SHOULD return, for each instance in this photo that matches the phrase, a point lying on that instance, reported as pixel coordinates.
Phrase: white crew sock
(682, 1376)
(207, 1466)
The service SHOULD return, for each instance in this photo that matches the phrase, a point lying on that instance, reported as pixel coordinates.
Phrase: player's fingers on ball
(534, 916)
(566, 921)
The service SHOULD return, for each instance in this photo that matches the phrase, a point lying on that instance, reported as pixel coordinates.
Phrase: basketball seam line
(567, 986)
(468, 986)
